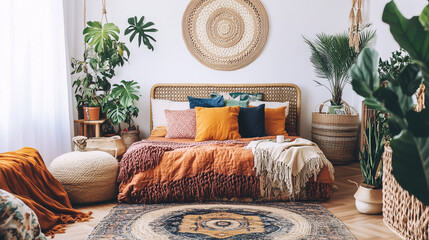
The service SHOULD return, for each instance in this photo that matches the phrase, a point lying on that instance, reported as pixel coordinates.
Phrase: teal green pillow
(243, 96)
(233, 103)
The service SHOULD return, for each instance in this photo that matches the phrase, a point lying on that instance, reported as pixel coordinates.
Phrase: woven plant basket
(402, 212)
(336, 134)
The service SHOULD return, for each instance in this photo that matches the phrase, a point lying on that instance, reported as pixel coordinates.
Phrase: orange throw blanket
(24, 174)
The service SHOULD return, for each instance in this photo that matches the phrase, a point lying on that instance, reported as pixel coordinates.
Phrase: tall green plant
(410, 144)
(332, 58)
(370, 157)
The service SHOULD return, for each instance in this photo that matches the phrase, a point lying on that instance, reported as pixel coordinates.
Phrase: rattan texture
(225, 34)
(402, 212)
(275, 92)
(335, 135)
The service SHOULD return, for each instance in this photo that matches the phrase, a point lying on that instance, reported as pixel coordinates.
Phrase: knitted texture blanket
(147, 154)
(289, 164)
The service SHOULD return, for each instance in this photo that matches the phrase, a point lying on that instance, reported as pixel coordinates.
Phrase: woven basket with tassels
(402, 212)
(336, 134)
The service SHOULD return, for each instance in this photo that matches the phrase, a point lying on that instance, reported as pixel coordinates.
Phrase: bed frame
(273, 92)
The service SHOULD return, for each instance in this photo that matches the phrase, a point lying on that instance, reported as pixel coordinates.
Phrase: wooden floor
(341, 205)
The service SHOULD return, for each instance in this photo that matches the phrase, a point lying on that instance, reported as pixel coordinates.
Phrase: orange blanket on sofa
(24, 174)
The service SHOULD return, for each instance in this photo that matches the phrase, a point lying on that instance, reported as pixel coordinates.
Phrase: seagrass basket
(402, 212)
(335, 135)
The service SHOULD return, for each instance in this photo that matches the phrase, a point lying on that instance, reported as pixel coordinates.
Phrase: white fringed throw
(289, 164)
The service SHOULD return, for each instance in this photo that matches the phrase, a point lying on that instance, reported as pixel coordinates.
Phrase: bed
(181, 170)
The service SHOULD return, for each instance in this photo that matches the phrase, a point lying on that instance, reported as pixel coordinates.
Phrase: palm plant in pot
(120, 107)
(332, 57)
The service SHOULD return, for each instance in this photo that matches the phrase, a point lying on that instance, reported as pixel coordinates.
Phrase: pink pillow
(181, 123)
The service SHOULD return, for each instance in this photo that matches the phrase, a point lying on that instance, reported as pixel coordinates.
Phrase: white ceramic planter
(369, 201)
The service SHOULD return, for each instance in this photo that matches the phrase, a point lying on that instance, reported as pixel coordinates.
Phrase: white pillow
(272, 105)
(158, 113)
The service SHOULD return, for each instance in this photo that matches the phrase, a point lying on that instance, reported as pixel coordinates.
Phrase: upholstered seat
(87, 176)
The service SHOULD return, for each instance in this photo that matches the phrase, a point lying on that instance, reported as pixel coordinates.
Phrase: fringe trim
(204, 186)
(64, 220)
(279, 174)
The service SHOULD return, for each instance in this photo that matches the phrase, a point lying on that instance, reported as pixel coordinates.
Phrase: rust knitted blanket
(24, 174)
(147, 154)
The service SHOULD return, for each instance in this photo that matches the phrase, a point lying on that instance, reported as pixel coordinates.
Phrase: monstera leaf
(126, 92)
(141, 28)
(116, 113)
(100, 36)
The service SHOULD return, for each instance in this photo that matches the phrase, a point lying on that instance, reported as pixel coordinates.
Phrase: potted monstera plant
(409, 158)
(120, 107)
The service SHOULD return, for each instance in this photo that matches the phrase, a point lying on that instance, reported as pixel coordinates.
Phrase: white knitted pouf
(87, 176)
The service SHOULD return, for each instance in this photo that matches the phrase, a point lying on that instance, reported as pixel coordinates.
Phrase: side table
(83, 125)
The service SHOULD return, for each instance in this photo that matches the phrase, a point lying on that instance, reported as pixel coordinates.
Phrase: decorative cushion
(275, 121)
(17, 220)
(243, 96)
(159, 132)
(217, 123)
(233, 103)
(273, 105)
(181, 123)
(251, 122)
(158, 108)
(87, 176)
(205, 102)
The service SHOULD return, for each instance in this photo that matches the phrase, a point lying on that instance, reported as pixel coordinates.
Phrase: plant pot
(402, 212)
(369, 200)
(80, 114)
(91, 113)
(333, 108)
(131, 137)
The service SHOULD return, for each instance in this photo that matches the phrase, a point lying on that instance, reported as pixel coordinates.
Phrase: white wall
(284, 59)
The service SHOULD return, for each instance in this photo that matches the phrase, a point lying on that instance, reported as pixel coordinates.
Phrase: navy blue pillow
(206, 102)
(251, 121)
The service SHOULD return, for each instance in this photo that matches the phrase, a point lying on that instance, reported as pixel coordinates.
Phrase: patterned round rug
(220, 221)
(225, 34)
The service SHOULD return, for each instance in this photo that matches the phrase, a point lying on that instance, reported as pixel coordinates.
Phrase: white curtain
(35, 90)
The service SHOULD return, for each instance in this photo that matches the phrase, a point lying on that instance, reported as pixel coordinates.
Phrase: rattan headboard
(273, 92)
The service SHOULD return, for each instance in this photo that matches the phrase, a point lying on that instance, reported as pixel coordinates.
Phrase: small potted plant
(369, 196)
(120, 107)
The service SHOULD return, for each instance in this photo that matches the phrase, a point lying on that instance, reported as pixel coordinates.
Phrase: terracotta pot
(131, 137)
(369, 200)
(91, 113)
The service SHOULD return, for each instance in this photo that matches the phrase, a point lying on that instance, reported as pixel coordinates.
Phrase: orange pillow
(217, 123)
(275, 121)
(159, 132)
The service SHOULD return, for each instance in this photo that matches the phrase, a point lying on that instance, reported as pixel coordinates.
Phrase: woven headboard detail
(274, 92)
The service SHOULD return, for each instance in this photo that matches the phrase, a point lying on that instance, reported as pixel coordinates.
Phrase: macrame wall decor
(225, 34)
(356, 21)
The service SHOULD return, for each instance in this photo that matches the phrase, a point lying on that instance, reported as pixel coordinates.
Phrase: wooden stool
(84, 123)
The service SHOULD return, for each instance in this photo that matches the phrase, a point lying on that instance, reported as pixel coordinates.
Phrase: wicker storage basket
(335, 135)
(402, 212)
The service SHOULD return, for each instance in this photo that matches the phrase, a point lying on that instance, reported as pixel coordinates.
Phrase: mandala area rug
(226, 221)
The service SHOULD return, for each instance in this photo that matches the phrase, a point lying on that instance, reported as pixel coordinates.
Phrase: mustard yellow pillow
(275, 121)
(217, 123)
(159, 132)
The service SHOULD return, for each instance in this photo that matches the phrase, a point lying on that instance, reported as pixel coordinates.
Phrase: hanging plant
(141, 28)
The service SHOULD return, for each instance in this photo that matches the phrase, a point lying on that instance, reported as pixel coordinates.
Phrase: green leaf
(409, 33)
(140, 29)
(364, 73)
(127, 92)
(100, 36)
(410, 164)
(424, 18)
(116, 113)
(419, 122)
(410, 79)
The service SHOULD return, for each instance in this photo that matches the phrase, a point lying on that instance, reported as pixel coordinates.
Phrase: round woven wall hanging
(225, 34)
